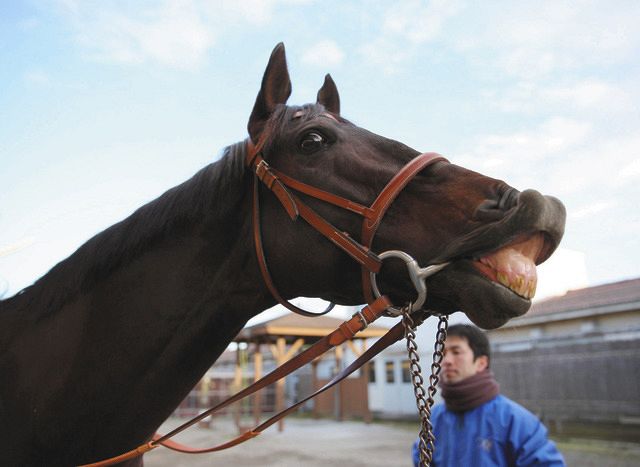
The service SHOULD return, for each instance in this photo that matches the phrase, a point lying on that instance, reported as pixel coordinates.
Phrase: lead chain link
(424, 400)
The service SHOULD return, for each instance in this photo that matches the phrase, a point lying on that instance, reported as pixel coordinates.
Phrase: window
(406, 371)
(389, 369)
(372, 372)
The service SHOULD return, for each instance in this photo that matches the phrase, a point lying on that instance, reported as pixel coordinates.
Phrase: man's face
(458, 362)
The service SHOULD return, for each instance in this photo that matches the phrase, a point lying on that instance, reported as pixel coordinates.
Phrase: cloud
(172, 33)
(406, 27)
(388, 57)
(37, 77)
(565, 158)
(324, 53)
(554, 156)
(418, 21)
(536, 40)
(551, 137)
(591, 209)
(631, 171)
(623, 158)
(594, 95)
(17, 246)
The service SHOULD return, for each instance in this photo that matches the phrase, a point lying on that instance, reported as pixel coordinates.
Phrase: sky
(104, 105)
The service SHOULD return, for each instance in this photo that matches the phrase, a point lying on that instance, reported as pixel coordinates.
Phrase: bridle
(283, 187)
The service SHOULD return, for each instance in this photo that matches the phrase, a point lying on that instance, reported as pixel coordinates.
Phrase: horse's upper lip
(534, 214)
(506, 251)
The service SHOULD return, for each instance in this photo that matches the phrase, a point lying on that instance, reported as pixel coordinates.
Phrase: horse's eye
(312, 142)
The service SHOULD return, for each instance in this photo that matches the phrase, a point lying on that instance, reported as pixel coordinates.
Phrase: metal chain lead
(424, 400)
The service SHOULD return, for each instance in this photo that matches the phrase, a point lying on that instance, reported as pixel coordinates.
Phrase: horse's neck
(110, 365)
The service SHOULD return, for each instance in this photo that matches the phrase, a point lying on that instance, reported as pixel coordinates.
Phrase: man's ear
(482, 363)
(275, 89)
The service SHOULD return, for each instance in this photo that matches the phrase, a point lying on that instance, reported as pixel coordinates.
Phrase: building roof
(622, 292)
(581, 303)
(295, 326)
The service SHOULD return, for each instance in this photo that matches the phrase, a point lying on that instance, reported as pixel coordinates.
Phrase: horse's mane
(210, 193)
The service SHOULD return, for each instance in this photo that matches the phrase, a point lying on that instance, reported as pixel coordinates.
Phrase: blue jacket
(497, 433)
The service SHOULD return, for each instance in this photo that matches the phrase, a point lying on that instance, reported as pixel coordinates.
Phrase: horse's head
(492, 235)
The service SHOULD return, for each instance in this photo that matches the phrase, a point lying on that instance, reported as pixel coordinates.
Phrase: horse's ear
(276, 89)
(328, 96)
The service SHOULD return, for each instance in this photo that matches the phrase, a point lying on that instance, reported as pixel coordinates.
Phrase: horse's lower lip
(487, 303)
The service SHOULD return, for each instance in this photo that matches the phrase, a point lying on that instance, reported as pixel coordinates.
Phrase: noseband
(283, 187)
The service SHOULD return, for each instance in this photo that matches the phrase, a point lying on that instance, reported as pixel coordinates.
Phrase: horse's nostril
(509, 199)
(492, 210)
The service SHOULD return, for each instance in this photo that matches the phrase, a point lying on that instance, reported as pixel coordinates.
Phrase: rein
(377, 304)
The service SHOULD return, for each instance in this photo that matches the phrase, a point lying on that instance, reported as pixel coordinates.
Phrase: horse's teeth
(518, 284)
(504, 279)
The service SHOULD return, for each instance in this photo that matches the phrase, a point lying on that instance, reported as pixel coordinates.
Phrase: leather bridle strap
(295, 207)
(346, 331)
(392, 336)
(383, 202)
(281, 185)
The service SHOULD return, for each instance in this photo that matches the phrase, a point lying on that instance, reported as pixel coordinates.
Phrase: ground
(319, 443)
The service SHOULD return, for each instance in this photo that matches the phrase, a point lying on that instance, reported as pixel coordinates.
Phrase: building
(260, 348)
(576, 356)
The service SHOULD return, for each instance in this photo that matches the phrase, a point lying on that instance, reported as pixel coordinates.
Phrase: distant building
(576, 356)
(390, 388)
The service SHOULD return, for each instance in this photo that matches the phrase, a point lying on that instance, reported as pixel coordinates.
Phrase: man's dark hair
(476, 339)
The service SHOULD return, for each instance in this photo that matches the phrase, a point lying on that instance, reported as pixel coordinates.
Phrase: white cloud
(407, 26)
(37, 77)
(585, 94)
(554, 135)
(591, 94)
(632, 170)
(565, 270)
(532, 40)
(591, 209)
(385, 55)
(559, 133)
(252, 11)
(16, 246)
(324, 53)
(173, 33)
(418, 21)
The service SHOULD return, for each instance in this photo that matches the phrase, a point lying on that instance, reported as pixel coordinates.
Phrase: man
(477, 426)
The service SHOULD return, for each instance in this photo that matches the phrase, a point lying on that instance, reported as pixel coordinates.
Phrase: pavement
(320, 443)
(304, 442)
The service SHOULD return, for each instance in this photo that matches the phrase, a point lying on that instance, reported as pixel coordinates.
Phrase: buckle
(261, 168)
(362, 318)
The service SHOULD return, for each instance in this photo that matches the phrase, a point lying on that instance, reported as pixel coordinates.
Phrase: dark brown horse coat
(97, 353)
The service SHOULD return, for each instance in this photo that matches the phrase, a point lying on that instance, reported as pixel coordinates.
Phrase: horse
(98, 352)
